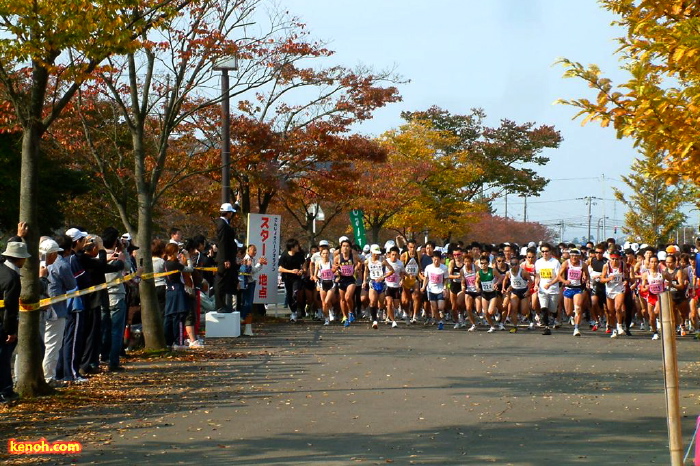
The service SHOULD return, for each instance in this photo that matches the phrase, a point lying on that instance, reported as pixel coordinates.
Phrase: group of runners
(502, 287)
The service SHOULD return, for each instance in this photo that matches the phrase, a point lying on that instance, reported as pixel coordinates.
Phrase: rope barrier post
(670, 360)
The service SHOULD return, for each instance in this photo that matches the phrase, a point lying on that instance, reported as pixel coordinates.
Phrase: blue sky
(498, 55)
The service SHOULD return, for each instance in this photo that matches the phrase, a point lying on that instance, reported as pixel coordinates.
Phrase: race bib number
(487, 286)
(375, 271)
(326, 274)
(393, 278)
(616, 277)
(656, 288)
(412, 269)
(347, 270)
(546, 273)
(471, 281)
(575, 274)
(436, 278)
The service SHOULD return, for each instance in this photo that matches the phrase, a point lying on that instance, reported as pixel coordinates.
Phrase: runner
(653, 285)
(574, 275)
(345, 265)
(472, 295)
(615, 280)
(323, 276)
(595, 270)
(518, 280)
(487, 280)
(456, 287)
(410, 288)
(529, 266)
(435, 276)
(547, 285)
(677, 282)
(393, 283)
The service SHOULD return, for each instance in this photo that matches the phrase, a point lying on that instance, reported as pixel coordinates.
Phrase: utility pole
(561, 231)
(525, 210)
(506, 204)
(589, 201)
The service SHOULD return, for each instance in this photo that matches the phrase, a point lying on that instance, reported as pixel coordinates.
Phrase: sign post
(264, 234)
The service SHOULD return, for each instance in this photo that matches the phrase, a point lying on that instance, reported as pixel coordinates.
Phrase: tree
(489, 228)
(66, 43)
(653, 209)
(659, 106)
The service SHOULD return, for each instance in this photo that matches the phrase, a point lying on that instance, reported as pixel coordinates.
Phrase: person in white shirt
(547, 285)
(435, 277)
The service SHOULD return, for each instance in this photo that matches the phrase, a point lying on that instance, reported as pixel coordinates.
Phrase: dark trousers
(291, 289)
(93, 338)
(224, 283)
(72, 350)
(113, 322)
(174, 325)
(6, 350)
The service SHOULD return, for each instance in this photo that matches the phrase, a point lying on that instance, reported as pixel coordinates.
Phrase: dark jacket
(226, 238)
(10, 288)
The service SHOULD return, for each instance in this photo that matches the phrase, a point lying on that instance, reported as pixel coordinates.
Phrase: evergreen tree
(653, 213)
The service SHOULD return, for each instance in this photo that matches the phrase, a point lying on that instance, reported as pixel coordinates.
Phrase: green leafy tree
(653, 208)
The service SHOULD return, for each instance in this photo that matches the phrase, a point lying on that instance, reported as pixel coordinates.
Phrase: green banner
(358, 227)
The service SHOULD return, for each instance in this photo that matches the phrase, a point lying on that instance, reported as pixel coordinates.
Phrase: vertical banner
(358, 227)
(264, 233)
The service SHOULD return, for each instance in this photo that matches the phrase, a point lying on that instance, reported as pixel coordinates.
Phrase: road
(415, 395)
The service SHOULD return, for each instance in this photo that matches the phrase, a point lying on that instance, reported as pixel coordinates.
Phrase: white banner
(264, 233)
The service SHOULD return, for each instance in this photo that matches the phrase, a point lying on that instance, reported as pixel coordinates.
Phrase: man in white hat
(15, 255)
(226, 279)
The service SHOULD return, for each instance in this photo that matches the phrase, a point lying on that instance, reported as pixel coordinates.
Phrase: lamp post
(225, 65)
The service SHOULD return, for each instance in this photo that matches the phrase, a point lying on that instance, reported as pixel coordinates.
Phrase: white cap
(375, 249)
(388, 245)
(635, 247)
(366, 248)
(643, 246)
(323, 242)
(626, 245)
(343, 238)
(661, 255)
(48, 246)
(531, 244)
(438, 249)
(126, 236)
(227, 207)
(523, 250)
(76, 234)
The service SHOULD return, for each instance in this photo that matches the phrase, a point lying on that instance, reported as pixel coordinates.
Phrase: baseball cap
(672, 249)
(48, 246)
(126, 236)
(575, 252)
(375, 249)
(323, 242)
(227, 207)
(76, 234)
(531, 244)
(366, 249)
(343, 238)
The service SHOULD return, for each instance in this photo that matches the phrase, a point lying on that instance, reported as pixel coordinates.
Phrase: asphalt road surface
(415, 395)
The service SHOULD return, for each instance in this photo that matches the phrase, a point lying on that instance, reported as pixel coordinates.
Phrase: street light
(225, 65)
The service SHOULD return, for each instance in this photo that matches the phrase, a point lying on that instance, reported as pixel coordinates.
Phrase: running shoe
(614, 334)
(684, 332)
(414, 320)
(375, 325)
(556, 324)
(351, 317)
(394, 324)
(441, 325)
(514, 330)
(608, 330)
(571, 321)
(346, 323)
(463, 324)
(457, 325)
(327, 322)
(620, 330)
(501, 326)
(547, 331)
(594, 328)
(293, 317)
(472, 328)
(655, 336)
(642, 326)
(331, 316)
(628, 333)
(491, 330)
(531, 326)
(577, 332)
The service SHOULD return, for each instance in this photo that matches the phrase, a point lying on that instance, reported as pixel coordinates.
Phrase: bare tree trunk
(30, 381)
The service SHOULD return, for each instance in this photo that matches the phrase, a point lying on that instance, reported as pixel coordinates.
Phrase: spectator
(114, 316)
(176, 306)
(157, 252)
(61, 281)
(15, 255)
(252, 269)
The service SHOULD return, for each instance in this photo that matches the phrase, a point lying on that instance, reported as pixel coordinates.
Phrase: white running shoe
(472, 328)
(394, 324)
(655, 336)
(327, 322)
(331, 316)
(642, 326)
(614, 334)
(577, 332)
(375, 324)
(293, 317)
(620, 330)
(531, 326)
(501, 326)
(457, 325)
(491, 330)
